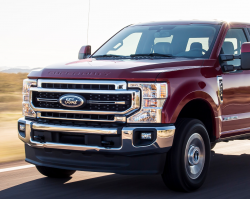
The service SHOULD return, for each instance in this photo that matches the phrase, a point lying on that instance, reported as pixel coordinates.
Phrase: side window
(232, 44)
(249, 30)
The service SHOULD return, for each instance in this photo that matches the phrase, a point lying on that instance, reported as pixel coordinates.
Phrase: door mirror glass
(245, 56)
(84, 52)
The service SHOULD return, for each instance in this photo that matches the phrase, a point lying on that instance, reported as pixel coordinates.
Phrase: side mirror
(245, 56)
(225, 57)
(84, 52)
(227, 68)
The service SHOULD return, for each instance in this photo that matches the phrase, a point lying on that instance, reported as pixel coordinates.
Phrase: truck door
(236, 88)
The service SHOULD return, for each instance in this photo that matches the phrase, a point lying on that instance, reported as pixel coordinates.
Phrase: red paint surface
(184, 84)
(245, 48)
(85, 50)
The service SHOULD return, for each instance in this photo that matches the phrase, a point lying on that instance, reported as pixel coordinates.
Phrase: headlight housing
(154, 96)
(27, 84)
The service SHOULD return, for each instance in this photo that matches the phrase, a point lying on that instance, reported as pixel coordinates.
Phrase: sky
(38, 33)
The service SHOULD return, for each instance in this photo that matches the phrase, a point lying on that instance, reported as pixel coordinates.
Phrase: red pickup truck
(154, 99)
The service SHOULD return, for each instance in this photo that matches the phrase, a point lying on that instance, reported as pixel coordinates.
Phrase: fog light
(146, 136)
(22, 127)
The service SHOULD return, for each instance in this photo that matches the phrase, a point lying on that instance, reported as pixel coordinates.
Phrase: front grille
(79, 86)
(108, 101)
(100, 101)
(76, 116)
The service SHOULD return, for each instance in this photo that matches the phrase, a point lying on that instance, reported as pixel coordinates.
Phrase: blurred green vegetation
(11, 82)
(11, 148)
(11, 91)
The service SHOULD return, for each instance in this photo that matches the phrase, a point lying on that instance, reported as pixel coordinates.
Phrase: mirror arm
(229, 68)
(225, 57)
(237, 56)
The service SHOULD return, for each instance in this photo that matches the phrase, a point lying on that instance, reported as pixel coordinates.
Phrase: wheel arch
(200, 109)
(198, 105)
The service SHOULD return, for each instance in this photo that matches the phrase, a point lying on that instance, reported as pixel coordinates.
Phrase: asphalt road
(229, 177)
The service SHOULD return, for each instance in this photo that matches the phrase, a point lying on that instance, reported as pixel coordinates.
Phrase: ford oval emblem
(72, 101)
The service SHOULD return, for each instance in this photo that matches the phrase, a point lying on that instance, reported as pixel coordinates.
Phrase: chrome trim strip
(229, 118)
(238, 116)
(135, 97)
(53, 145)
(47, 100)
(119, 85)
(75, 91)
(66, 129)
(116, 119)
(105, 102)
(219, 117)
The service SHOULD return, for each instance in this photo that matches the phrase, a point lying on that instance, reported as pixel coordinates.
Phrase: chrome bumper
(164, 138)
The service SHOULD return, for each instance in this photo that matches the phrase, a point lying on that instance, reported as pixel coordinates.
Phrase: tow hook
(107, 143)
(39, 138)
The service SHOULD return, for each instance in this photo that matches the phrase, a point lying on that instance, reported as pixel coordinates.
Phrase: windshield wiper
(134, 55)
(108, 55)
(151, 55)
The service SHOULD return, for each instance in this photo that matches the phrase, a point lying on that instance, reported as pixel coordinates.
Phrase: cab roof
(180, 22)
(153, 23)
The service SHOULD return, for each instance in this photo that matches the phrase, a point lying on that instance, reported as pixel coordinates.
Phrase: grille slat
(76, 116)
(79, 86)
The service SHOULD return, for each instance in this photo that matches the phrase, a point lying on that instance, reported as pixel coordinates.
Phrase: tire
(212, 144)
(191, 138)
(54, 172)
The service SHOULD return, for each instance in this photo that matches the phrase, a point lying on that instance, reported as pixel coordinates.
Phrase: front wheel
(188, 160)
(54, 172)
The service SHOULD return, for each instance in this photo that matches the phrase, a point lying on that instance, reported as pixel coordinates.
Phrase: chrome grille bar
(105, 102)
(116, 118)
(47, 100)
(119, 85)
(72, 129)
(89, 101)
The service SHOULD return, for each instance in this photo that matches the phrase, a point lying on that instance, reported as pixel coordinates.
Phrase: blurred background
(37, 33)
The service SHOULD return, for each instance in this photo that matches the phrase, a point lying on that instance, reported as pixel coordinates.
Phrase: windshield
(194, 41)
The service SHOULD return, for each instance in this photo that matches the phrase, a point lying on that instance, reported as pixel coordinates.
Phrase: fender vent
(220, 88)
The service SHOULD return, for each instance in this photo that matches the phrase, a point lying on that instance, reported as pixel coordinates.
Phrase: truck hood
(130, 70)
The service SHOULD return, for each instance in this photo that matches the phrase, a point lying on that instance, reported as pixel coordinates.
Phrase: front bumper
(127, 159)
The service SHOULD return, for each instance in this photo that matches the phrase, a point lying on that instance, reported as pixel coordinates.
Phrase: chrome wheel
(194, 156)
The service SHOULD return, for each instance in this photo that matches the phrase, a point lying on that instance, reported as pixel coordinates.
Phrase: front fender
(193, 89)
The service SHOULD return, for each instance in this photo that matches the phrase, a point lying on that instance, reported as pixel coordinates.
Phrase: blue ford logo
(72, 101)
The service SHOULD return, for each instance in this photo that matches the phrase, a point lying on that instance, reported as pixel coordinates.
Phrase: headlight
(153, 98)
(27, 84)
